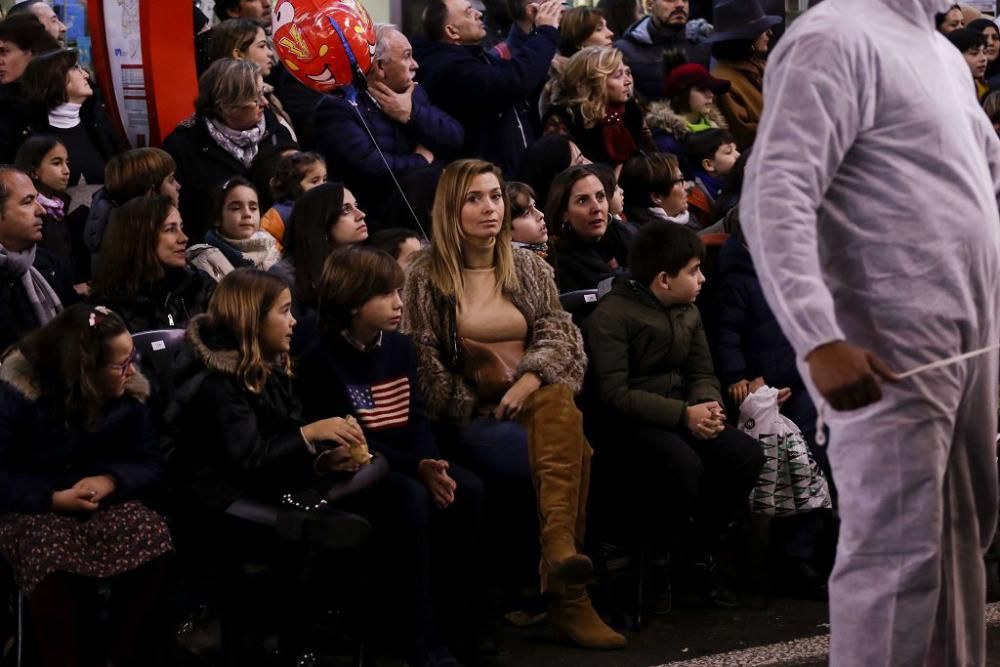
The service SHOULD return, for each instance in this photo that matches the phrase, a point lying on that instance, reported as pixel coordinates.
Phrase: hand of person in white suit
(847, 376)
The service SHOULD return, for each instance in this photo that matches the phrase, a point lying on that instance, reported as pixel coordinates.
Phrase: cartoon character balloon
(325, 44)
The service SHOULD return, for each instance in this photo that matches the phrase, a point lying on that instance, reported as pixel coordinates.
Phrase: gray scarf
(44, 301)
(241, 144)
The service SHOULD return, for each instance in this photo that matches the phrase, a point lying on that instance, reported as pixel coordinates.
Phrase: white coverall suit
(870, 208)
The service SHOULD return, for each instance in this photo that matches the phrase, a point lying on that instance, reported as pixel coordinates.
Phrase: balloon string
(940, 363)
(352, 98)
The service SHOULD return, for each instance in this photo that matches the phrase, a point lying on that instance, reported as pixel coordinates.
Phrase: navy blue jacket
(40, 454)
(644, 47)
(299, 103)
(352, 159)
(490, 98)
(750, 342)
(334, 379)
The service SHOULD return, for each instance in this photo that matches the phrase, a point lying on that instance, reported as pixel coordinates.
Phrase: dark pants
(497, 451)
(419, 547)
(63, 609)
(679, 476)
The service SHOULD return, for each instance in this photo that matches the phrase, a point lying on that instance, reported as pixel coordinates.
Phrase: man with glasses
(33, 286)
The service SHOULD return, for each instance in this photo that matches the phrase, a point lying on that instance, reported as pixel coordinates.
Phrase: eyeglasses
(686, 184)
(123, 367)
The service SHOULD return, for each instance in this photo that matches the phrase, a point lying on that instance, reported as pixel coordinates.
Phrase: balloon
(325, 44)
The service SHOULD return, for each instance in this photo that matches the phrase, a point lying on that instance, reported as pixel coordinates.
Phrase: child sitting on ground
(296, 173)
(652, 369)
(712, 155)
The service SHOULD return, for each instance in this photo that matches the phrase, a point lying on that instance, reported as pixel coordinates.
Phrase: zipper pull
(170, 319)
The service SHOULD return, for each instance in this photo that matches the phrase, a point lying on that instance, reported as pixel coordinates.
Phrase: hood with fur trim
(662, 117)
(210, 347)
(19, 373)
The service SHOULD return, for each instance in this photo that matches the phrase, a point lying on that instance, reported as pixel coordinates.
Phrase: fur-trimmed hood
(19, 373)
(208, 349)
(662, 117)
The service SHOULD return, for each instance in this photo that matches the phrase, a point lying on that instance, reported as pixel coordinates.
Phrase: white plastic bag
(791, 482)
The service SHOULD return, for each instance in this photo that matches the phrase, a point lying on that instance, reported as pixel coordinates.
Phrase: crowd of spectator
(372, 287)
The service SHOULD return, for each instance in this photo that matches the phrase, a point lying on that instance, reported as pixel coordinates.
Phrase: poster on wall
(124, 39)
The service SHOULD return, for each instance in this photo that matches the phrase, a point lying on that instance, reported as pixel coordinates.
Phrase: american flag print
(382, 405)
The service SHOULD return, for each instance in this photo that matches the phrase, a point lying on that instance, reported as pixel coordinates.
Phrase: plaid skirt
(101, 544)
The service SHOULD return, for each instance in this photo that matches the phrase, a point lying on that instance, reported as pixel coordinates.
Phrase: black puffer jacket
(231, 442)
(40, 453)
(169, 304)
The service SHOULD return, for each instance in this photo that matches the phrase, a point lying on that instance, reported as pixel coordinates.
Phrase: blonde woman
(500, 360)
(598, 108)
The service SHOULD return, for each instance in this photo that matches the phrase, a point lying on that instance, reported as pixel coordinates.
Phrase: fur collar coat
(554, 349)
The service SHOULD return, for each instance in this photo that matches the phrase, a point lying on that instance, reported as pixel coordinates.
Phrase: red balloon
(324, 43)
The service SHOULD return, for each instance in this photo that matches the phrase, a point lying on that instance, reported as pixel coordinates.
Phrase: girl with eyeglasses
(79, 456)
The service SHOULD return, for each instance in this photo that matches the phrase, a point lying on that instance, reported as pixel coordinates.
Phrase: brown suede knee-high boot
(558, 451)
(560, 461)
(572, 616)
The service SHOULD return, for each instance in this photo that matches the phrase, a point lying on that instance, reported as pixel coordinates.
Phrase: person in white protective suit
(870, 208)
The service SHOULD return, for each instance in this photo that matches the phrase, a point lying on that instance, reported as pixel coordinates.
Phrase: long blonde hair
(585, 82)
(240, 304)
(446, 246)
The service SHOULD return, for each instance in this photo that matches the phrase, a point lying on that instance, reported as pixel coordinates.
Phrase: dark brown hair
(559, 194)
(516, 192)
(138, 172)
(128, 262)
(44, 80)
(576, 26)
(231, 35)
(645, 175)
(66, 355)
(662, 247)
(308, 245)
(351, 277)
(222, 191)
(287, 180)
(28, 33)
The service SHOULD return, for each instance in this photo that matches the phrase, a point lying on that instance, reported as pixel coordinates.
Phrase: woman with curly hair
(598, 108)
(500, 360)
(579, 28)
